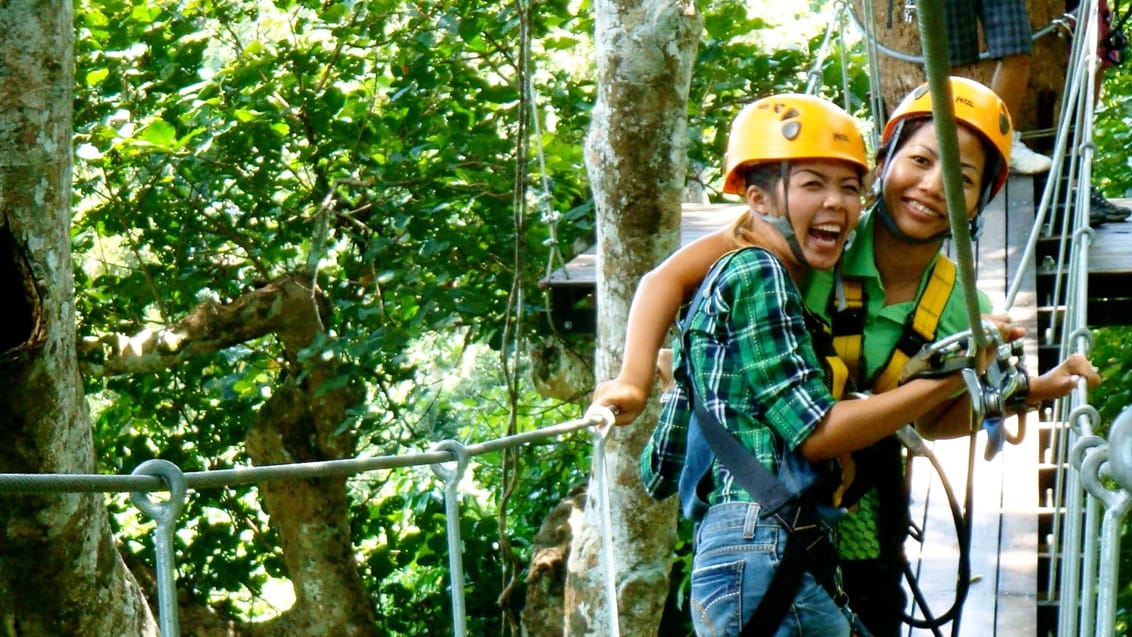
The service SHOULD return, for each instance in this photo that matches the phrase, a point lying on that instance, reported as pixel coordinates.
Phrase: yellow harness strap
(848, 337)
(840, 376)
(848, 324)
(922, 328)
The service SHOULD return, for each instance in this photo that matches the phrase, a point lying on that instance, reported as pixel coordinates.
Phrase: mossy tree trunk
(636, 155)
(60, 573)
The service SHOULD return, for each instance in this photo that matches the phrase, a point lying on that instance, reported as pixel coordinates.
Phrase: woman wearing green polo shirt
(893, 258)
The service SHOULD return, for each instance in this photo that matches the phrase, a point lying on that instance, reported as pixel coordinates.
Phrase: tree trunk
(60, 573)
(636, 158)
(1047, 69)
(299, 423)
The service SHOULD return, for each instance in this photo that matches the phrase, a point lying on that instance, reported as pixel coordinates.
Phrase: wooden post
(1047, 66)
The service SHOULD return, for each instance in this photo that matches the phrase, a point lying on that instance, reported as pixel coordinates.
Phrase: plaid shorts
(1006, 27)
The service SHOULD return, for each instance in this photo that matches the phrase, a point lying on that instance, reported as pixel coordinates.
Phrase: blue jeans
(736, 555)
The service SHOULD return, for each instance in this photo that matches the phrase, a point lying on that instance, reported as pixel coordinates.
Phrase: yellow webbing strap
(922, 328)
(840, 373)
(847, 340)
(848, 467)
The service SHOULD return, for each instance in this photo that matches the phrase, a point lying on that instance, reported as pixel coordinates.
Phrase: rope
(938, 70)
(814, 75)
(876, 100)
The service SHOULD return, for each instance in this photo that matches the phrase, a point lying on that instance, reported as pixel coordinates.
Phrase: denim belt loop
(751, 521)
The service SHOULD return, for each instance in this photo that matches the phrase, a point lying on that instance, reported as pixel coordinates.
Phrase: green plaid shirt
(754, 368)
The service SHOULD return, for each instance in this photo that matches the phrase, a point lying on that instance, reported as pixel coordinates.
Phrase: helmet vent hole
(790, 130)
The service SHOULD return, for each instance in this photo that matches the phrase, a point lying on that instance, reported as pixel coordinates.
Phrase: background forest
(420, 164)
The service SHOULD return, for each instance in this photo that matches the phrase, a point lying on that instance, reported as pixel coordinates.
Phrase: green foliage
(735, 66)
(372, 147)
(1112, 164)
(1112, 356)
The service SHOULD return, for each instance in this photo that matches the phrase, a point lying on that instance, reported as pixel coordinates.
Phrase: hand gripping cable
(1002, 389)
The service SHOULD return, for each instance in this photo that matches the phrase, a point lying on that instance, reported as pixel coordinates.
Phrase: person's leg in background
(1006, 27)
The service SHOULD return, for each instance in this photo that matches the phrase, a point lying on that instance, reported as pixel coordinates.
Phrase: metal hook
(459, 456)
(1086, 411)
(165, 514)
(1082, 448)
(1120, 449)
(162, 511)
(451, 478)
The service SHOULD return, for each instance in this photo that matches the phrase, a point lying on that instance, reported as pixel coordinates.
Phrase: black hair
(763, 175)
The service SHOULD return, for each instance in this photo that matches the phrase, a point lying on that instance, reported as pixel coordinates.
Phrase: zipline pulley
(1002, 389)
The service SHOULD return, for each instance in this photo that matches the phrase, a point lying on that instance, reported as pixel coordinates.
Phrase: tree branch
(276, 308)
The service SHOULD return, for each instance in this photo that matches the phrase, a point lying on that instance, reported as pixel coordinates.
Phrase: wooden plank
(936, 559)
(1001, 599)
(696, 220)
(1018, 586)
(1018, 550)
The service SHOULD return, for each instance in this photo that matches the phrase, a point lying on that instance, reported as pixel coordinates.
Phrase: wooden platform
(1003, 592)
(1110, 270)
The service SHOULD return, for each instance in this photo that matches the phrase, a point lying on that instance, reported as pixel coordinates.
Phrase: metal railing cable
(814, 75)
(447, 458)
(876, 100)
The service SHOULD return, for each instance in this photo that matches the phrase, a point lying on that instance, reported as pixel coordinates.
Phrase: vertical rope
(876, 101)
(938, 68)
(509, 459)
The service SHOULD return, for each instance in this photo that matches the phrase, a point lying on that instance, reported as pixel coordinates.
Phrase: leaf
(160, 134)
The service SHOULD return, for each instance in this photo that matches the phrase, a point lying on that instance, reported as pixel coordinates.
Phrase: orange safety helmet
(976, 106)
(786, 127)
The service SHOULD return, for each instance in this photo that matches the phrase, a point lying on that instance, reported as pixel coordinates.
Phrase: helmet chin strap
(782, 224)
(890, 223)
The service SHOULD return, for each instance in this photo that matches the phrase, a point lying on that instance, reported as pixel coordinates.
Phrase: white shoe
(1024, 161)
